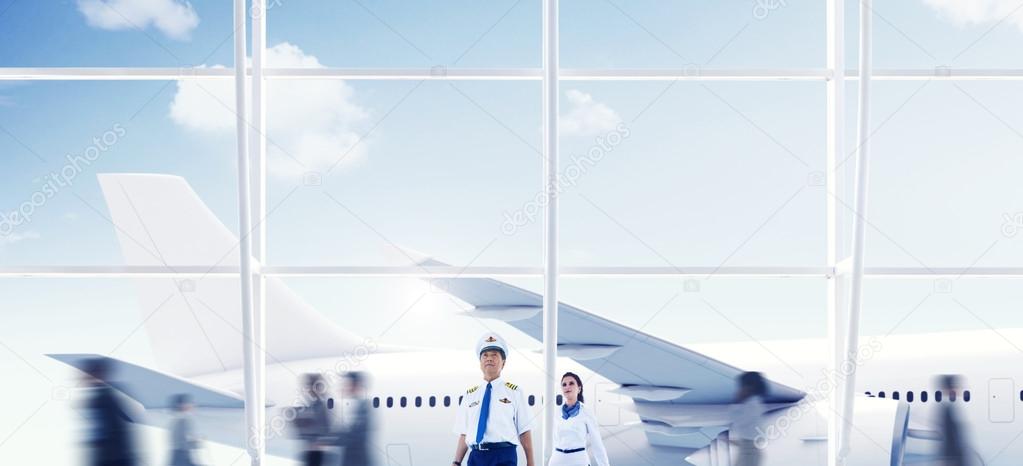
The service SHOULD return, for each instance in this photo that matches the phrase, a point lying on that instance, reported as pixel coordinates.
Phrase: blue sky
(710, 173)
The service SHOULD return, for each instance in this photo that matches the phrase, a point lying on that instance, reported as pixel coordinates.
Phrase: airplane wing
(151, 388)
(680, 395)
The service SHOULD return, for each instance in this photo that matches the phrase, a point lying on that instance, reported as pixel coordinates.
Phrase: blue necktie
(481, 428)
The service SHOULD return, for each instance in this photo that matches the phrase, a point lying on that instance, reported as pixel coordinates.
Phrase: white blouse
(579, 431)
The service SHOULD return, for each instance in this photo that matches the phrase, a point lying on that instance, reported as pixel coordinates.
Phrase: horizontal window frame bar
(752, 272)
(499, 74)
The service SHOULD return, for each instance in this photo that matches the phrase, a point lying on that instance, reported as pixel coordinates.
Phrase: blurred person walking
(109, 439)
(353, 436)
(183, 439)
(746, 415)
(312, 421)
(954, 447)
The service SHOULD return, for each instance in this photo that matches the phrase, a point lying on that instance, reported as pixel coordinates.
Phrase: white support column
(254, 391)
(550, 151)
(859, 228)
(833, 185)
(258, 170)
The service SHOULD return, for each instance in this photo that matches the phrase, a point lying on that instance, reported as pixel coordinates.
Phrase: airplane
(657, 402)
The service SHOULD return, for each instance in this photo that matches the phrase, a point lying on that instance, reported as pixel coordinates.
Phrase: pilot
(493, 417)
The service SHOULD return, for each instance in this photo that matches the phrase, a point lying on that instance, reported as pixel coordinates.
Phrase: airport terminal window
(966, 396)
(532, 398)
(433, 401)
(895, 395)
(923, 396)
(909, 396)
(376, 401)
(390, 402)
(447, 401)
(419, 401)
(404, 402)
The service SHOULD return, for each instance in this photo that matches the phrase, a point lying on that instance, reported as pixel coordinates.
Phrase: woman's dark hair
(578, 382)
(751, 384)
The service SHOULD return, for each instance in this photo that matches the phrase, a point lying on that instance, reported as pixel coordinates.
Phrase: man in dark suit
(109, 441)
(354, 435)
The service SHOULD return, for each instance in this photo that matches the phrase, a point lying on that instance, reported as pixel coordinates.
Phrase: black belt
(492, 446)
(570, 451)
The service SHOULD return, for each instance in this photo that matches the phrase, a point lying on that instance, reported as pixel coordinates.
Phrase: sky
(703, 173)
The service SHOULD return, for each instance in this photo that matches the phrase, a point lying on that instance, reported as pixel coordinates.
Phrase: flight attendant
(493, 418)
(576, 434)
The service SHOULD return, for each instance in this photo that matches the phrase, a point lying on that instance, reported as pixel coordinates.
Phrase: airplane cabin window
(868, 394)
(376, 401)
(390, 402)
(459, 400)
(419, 401)
(559, 400)
(447, 401)
(909, 396)
(923, 396)
(880, 394)
(895, 395)
(404, 402)
(951, 395)
(937, 396)
(532, 399)
(966, 396)
(433, 401)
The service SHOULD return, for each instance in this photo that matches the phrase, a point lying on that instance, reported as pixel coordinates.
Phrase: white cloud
(175, 19)
(585, 116)
(971, 12)
(311, 121)
(17, 237)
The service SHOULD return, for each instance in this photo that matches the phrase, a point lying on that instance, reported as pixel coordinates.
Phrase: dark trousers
(496, 457)
(313, 458)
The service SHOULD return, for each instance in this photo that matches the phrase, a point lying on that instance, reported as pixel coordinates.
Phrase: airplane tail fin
(195, 325)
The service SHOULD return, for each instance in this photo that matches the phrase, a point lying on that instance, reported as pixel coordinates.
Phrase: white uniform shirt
(579, 431)
(509, 415)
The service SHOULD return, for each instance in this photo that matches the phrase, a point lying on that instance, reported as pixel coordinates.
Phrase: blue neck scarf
(567, 412)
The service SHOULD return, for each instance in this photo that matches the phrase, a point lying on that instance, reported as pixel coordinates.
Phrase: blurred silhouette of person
(183, 439)
(109, 438)
(746, 414)
(354, 435)
(954, 446)
(312, 421)
(577, 429)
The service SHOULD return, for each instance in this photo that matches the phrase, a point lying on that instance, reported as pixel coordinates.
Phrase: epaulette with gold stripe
(472, 389)
(511, 385)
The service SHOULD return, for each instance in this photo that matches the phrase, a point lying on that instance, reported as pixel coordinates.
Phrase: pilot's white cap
(492, 341)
